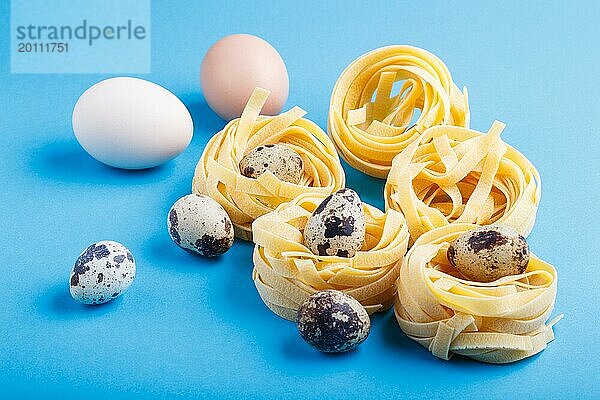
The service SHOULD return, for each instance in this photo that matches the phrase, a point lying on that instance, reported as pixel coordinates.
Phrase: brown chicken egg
(234, 66)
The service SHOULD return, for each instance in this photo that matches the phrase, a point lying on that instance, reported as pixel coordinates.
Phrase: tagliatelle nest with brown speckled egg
(286, 272)
(495, 322)
(245, 199)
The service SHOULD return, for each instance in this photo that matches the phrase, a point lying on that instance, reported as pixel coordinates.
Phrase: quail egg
(102, 272)
(285, 163)
(488, 253)
(199, 224)
(337, 226)
(332, 321)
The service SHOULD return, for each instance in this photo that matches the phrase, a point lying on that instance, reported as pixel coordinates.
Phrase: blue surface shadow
(397, 342)
(369, 188)
(168, 255)
(67, 161)
(206, 122)
(57, 304)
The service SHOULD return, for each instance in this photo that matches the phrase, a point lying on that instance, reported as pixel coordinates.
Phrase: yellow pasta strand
(245, 199)
(369, 126)
(286, 272)
(458, 175)
(496, 322)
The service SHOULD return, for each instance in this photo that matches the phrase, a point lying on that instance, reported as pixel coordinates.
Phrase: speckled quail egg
(102, 272)
(199, 224)
(332, 321)
(285, 163)
(488, 253)
(337, 226)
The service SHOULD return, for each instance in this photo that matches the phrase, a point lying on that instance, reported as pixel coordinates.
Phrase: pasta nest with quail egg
(218, 173)
(286, 272)
(370, 126)
(459, 175)
(495, 322)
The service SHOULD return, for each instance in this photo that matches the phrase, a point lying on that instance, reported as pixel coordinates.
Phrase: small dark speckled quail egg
(285, 163)
(102, 272)
(332, 321)
(488, 253)
(199, 224)
(337, 226)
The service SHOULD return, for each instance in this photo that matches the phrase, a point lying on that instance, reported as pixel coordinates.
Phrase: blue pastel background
(196, 328)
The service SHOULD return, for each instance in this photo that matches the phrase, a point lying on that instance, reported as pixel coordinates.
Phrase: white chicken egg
(131, 123)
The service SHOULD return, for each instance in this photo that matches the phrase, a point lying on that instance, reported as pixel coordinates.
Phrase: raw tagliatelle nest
(458, 175)
(286, 272)
(496, 322)
(245, 199)
(370, 126)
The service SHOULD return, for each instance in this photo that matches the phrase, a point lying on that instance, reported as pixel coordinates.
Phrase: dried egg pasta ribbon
(286, 272)
(496, 322)
(452, 174)
(369, 126)
(245, 199)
